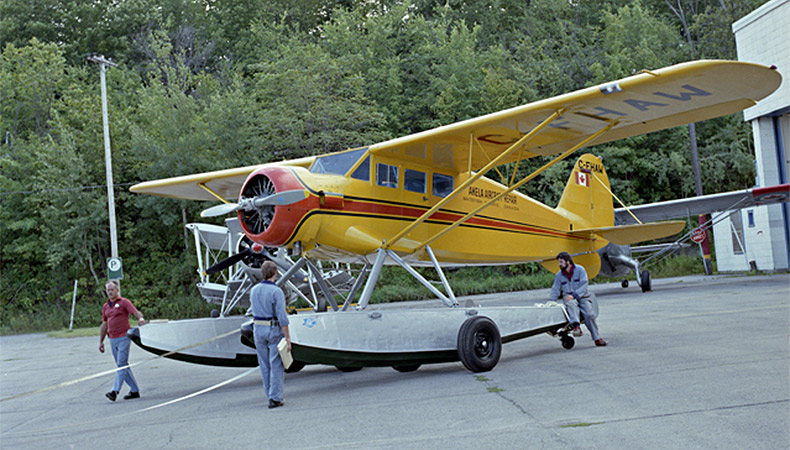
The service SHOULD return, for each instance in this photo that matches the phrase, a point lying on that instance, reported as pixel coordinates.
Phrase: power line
(79, 188)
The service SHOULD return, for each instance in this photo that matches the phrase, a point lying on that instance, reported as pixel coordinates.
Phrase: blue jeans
(272, 369)
(588, 313)
(120, 351)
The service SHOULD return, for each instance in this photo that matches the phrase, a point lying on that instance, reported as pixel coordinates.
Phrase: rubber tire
(347, 368)
(407, 367)
(479, 344)
(247, 336)
(646, 282)
(624, 284)
(567, 342)
(296, 366)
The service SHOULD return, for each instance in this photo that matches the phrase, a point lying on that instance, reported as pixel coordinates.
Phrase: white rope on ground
(90, 377)
(105, 419)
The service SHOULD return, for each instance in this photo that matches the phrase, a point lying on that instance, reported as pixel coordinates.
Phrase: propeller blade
(219, 210)
(281, 198)
(227, 262)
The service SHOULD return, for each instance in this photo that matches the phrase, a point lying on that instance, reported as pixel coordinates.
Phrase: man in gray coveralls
(271, 324)
(571, 283)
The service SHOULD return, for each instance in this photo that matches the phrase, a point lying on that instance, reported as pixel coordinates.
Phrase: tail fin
(587, 199)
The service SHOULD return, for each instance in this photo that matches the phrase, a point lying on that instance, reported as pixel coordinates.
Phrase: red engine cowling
(273, 225)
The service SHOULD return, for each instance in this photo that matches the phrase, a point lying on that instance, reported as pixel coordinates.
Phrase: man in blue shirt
(271, 325)
(570, 284)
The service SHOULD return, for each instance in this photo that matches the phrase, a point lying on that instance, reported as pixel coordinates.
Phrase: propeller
(250, 249)
(247, 204)
(227, 262)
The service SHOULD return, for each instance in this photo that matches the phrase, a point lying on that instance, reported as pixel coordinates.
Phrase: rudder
(587, 199)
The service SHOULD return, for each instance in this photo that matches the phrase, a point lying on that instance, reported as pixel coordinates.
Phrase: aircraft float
(424, 200)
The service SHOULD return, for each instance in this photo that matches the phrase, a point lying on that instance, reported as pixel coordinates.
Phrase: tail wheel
(479, 344)
(646, 282)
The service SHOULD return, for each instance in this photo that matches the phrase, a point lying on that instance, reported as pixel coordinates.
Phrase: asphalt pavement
(700, 362)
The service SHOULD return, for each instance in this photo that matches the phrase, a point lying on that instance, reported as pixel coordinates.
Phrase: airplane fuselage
(345, 216)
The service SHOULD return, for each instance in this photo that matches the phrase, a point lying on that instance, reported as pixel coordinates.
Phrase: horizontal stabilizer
(704, 204)
(631, 234)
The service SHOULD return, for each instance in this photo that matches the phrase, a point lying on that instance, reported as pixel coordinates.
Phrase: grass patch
(580, 424)
(481, 378)
(495, 389)
(76, 332)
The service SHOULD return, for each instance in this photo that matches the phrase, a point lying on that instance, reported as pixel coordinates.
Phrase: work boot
(131, 395)
(112, 395)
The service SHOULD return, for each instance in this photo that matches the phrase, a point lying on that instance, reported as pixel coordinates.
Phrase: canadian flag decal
(582, 179)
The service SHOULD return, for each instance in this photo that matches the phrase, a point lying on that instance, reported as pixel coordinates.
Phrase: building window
(750, 216)
(736, 232)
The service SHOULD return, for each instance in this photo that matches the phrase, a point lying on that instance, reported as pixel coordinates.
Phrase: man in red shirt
(114, 323)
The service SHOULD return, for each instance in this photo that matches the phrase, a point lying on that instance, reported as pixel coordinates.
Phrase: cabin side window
(386, 175)
(414, 180)
(442, 184)
(363, 171)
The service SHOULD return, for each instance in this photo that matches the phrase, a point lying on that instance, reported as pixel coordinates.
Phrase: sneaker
(274, 404)
(577, 331)
(600, 343)
(131, 395)
(112, 395)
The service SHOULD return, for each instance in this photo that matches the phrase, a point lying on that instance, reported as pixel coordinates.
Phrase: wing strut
(208, 189)
(517, 185)
(382, 254)
(474, 178)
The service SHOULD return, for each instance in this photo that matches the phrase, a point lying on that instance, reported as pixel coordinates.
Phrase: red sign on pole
(698, 235)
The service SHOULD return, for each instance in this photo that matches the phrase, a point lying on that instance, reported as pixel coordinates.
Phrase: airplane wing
(630, 234)
(225, 183)
(705, 204)
(639, 104)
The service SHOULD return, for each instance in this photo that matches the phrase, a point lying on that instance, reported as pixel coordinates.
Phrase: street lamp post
(103, 63)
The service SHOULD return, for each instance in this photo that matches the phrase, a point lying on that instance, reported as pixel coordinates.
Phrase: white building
(762, 234)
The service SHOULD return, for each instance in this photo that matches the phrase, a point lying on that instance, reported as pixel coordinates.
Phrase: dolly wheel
(479, 344)
(567, 342)
(295, 366)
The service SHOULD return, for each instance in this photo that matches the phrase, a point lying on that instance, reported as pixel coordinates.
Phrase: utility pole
(103, 63)
(705, 244)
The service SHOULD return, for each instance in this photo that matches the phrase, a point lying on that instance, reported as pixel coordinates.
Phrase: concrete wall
(763, 36)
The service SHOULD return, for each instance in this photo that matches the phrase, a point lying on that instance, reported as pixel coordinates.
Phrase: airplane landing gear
(645, 281)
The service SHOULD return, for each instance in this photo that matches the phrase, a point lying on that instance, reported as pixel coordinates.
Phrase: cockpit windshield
(338, 163)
